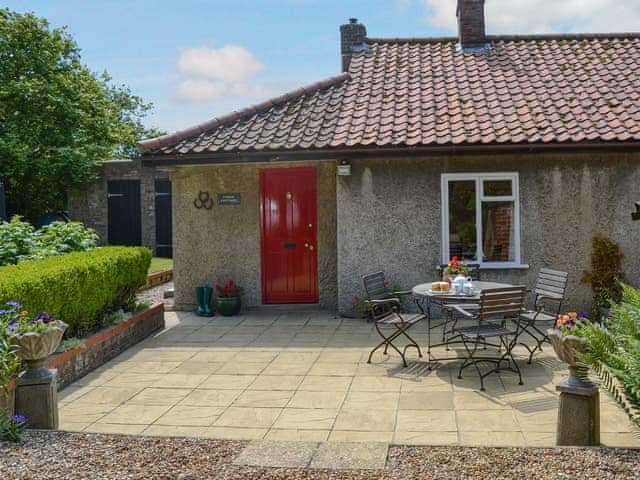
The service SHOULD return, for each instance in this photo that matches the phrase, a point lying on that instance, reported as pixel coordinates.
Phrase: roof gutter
(358, 152)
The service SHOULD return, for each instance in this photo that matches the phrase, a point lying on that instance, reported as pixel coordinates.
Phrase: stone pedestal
(37, 399)
(578, 414)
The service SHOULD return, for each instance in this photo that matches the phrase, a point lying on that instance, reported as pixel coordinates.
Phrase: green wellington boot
(208, 293)
(200, 310)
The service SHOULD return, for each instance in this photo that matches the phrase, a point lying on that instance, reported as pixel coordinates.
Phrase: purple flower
(12, 326)
(42, 317)
(583, 314)
(19, 419)
(13, 304)
(4, 312)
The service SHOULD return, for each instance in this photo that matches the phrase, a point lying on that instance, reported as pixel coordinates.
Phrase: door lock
(310, 247)
(306, 245)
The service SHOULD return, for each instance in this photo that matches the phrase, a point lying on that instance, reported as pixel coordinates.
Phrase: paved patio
(303, 376)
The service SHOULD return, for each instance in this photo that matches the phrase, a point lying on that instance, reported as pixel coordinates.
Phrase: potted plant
(605, 277)
(35, 338)
(454, 268)
(569, 346)
(228, 298)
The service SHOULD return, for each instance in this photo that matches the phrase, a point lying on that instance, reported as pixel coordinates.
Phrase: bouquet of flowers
(455, 267)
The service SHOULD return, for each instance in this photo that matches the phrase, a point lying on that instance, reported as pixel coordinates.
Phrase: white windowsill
(504, 266)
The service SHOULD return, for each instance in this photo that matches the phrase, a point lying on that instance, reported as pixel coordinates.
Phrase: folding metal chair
(447, 307)
(496, 307)
(549, 295)
(386, 310)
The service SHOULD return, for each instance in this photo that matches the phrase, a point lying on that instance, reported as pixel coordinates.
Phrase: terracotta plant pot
(566, 348)
(34, 348)
(228, 306)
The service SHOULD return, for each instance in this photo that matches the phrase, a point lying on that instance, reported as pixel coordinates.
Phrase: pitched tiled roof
(412, 92)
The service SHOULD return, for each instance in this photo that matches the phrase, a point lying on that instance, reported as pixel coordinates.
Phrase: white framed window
(481, 218)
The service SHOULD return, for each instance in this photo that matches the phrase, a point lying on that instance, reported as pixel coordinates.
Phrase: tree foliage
(57, 117)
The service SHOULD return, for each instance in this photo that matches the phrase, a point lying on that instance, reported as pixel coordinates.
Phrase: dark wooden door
(164, 242)
(288, 210)
(124, 212)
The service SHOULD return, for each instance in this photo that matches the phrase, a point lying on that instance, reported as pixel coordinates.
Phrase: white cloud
(209, 74)
(544, 16)
(198, 90)
(230, 63)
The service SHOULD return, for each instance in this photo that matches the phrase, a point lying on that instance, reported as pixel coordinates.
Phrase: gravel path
(61, 455)
(156, 295)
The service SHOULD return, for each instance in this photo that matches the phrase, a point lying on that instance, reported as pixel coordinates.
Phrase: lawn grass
(159, 264)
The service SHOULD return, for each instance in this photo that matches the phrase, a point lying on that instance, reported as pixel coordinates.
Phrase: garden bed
(158, 278)
(106, 345)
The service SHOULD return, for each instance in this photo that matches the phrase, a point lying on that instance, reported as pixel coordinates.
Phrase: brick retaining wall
(106, 345)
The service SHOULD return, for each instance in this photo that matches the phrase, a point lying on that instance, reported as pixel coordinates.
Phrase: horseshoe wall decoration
(204, 200)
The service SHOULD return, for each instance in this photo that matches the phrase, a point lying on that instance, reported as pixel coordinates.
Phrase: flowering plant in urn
(569, 346)
(36, 337)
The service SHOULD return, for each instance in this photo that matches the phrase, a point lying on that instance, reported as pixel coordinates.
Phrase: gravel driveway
(60, 455)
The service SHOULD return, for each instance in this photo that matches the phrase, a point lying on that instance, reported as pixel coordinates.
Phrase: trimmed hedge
(77, 288)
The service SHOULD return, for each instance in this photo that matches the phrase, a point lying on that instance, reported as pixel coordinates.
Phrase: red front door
(288, 232)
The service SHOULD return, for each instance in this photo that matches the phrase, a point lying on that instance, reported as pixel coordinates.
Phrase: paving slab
(304, 376)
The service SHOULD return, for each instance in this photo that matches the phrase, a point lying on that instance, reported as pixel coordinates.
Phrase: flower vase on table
(455, 268)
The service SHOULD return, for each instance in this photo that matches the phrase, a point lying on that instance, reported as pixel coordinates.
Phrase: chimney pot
(352, 39)
(471, 26)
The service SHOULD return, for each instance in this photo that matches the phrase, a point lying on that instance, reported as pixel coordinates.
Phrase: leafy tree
(58, 119)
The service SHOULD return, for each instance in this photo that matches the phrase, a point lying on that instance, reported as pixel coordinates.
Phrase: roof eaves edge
(145, 146)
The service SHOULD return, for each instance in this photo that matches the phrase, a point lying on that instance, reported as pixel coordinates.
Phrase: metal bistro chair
(496, 307)
(549, 295)
(447, 307)
(386, 311)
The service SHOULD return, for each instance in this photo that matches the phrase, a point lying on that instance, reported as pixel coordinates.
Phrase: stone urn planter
(228, 306)
(579, 403)
(566, 348)
(34, 348)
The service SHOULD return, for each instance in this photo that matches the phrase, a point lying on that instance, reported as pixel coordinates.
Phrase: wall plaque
(228, 199)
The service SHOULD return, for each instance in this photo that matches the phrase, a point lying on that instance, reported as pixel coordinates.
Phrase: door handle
(306, 245)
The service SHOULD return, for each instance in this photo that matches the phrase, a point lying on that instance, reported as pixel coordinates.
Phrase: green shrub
(614, 351)
(77, 288)
(16, 241)
(20, 241)
(65, 237)
(606, 274)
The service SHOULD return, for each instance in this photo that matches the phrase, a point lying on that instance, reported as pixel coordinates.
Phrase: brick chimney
(352, 39)
(471, 29)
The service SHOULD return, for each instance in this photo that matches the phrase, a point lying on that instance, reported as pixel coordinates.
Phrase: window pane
(497, 188)
(462, 220)
(498, 232)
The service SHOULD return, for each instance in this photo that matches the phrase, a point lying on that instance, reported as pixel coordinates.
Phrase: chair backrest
(501, 303)
(376, 288)
(474, 270)
(551, 284)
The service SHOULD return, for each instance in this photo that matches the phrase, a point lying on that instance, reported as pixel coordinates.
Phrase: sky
(198, 59)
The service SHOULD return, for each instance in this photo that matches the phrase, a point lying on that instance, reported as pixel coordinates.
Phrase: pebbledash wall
(90, 205)
(387, 216)
(224, 242)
